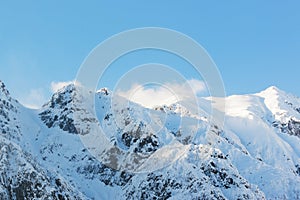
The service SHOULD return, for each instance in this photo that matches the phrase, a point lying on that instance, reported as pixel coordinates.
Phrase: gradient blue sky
(255, 44)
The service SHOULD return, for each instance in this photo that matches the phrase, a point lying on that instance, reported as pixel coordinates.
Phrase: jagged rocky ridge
(255, 156)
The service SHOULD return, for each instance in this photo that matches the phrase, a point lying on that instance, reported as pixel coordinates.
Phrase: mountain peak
(67, 88)
(103, 91)
(3, 89)
(5, 96)
(272, 91)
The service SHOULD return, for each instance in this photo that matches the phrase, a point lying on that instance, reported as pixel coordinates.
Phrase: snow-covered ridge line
(256, 155)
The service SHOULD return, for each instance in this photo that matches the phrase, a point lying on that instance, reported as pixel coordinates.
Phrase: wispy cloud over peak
(166, 94)
(55, 86)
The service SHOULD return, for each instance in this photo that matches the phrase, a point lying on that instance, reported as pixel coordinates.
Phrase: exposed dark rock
(107, 175)
(292, 127)
(298, 169)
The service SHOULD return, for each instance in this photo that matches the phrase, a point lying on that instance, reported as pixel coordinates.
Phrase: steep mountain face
(286, 108)
(8, 115)
(202, 173)
(21, 176)
(168, 152)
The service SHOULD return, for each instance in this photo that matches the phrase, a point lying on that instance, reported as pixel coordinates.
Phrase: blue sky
(255, 44)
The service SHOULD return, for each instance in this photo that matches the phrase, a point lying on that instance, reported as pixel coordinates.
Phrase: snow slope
(85, 145)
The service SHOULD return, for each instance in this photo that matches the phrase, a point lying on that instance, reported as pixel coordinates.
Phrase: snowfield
(86, 145)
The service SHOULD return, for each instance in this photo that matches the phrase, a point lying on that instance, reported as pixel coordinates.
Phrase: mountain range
(96, 145)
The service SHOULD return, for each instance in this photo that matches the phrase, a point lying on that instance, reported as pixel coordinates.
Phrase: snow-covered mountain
(86, 145)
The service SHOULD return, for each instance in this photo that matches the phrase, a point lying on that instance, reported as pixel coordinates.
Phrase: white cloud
(35, 99)
(197, 86)
(149, 97)
(55, 86)
(165, 94)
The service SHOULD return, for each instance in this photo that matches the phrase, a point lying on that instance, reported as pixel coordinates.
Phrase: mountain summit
(86, 145)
